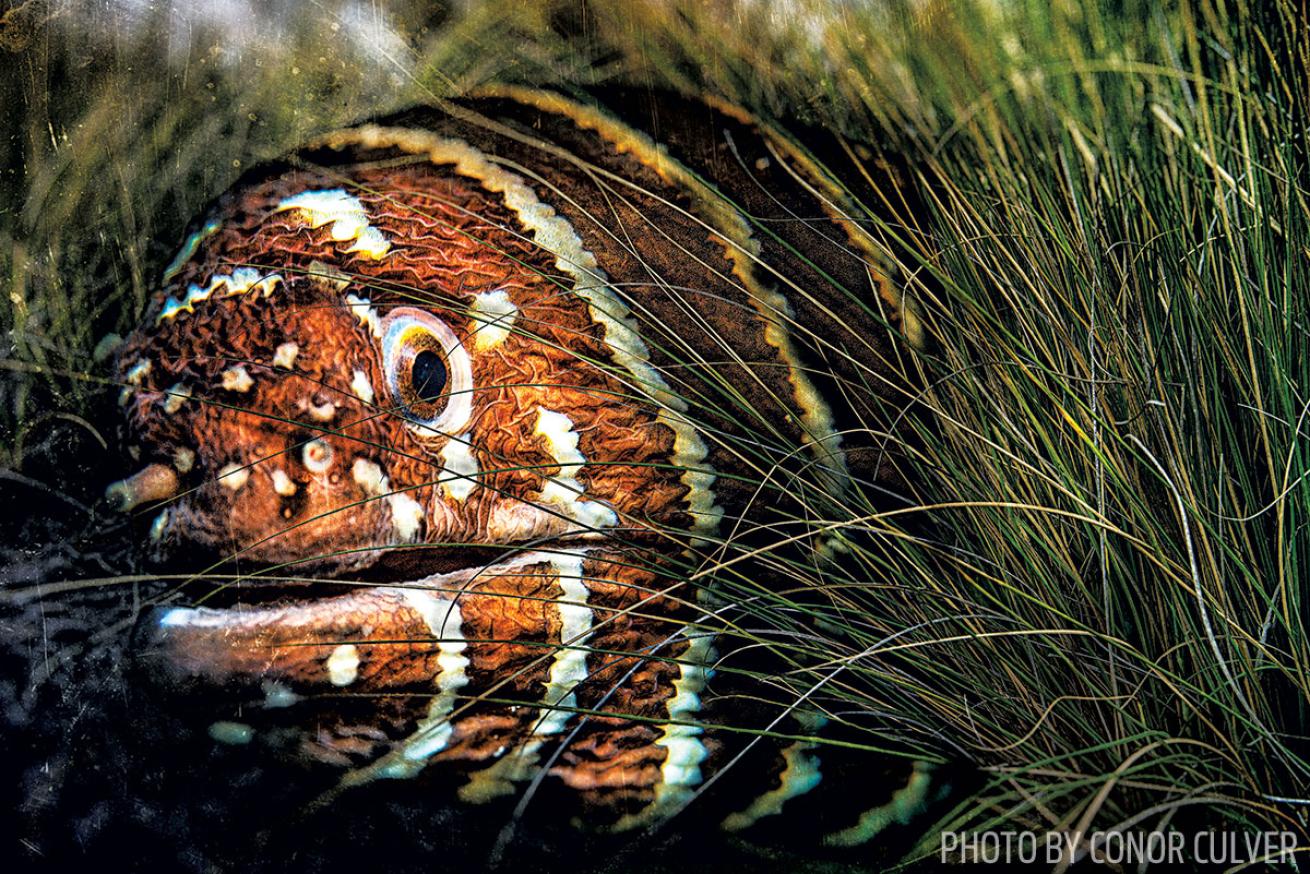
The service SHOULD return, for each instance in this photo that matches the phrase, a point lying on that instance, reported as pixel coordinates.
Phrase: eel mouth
(395, 620)
(219, 578)
(234, 582)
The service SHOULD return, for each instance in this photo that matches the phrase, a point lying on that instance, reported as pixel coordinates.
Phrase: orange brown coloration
(541, 362)
(513, 323)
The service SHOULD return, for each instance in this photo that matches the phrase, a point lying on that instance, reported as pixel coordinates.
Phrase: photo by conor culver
(648, 435)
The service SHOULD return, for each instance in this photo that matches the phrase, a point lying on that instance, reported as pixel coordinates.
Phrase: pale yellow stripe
(557, 236)
(733, 233)
(800, 774)
(837, 203)
(907, 803)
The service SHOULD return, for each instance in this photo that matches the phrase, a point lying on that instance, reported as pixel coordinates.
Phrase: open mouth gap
(242, 582)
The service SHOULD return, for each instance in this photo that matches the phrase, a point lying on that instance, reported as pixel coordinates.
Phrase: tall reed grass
(1097, 593)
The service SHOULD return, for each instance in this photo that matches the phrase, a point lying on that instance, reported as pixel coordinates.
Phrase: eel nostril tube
(154, 482)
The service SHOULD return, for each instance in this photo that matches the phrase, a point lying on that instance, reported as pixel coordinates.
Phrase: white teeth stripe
(567, 669)
(563, 491)
(685, 749)
(739, 244)
(557, 236)
(904, 805)
(243, 280)
(800, 774)
(347, 216)
(434, 731)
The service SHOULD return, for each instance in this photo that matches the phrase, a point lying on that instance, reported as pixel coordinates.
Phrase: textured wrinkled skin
(454, 245)
(449, 244)
(554, 629)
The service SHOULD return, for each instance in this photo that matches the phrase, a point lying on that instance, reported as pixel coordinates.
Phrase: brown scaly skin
(621, 386)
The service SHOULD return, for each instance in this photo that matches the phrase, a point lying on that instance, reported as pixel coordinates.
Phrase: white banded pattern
(434, 731)
(347, 216)
(905, 804)
(839, 206)
(731, 228)
(189, 247)
(800, 774)
(242, 280)
(557, 236)
(679, 737)
(563, 492)
(568, 668)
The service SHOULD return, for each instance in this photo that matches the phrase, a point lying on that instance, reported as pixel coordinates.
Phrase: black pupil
(428, 375)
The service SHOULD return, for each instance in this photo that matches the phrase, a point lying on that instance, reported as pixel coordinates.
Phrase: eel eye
(428, 372)
(427, 376)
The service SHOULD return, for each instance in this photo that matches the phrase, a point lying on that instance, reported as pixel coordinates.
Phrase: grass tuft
(1099, 591)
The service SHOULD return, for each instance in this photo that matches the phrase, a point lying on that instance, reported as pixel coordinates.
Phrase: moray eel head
(331, 371)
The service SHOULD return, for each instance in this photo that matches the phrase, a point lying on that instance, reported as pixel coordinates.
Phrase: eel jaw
(287, 641)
